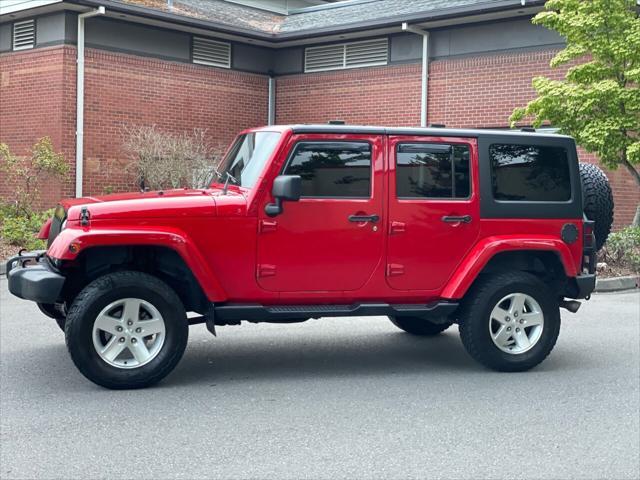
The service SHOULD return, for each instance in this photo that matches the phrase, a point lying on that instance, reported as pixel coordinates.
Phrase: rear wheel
(509, 321)
(420, 326)
(126, 330)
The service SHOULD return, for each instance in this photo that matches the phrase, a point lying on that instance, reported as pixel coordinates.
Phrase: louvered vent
(373, 52)
(346, 55)
(24, 35)
(211, 52)
(324, 58)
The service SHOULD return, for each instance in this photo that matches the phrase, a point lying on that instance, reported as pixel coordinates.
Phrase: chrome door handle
(457, 219)
(364, 218)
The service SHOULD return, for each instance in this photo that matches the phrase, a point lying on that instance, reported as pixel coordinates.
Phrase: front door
(433, 209)
(332, 239)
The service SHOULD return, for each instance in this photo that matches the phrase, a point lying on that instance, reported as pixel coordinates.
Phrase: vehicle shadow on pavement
(275, 357)
(364, 355)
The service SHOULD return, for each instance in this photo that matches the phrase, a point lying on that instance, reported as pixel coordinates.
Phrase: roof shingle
(336, 16)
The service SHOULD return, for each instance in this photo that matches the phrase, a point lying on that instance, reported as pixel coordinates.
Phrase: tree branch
(632, 170)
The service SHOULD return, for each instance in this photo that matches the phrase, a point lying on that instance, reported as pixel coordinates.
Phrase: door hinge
(394, 269)
(265, 270)
(397, 227)
(268, 226)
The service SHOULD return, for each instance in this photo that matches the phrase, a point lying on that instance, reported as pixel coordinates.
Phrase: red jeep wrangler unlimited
(431, 227)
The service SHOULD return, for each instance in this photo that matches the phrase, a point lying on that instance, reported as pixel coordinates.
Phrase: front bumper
(30, 276)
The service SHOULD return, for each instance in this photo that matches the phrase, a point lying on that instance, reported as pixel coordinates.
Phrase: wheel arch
(166, 239)
(161, 261)
(547, 258)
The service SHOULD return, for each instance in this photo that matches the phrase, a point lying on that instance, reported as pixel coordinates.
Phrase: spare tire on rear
(597, 201)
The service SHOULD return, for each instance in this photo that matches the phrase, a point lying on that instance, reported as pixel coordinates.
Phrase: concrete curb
(3, 267)
(617, 283)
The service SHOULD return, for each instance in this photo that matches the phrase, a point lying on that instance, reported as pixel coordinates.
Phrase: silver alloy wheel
(516, 323)
(128, 333)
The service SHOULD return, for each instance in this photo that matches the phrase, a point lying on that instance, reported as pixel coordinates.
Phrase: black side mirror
(285, 187)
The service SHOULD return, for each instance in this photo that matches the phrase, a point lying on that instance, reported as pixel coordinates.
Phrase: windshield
(247, 157)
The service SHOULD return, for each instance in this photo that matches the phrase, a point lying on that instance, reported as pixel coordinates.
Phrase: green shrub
(26, 174)
(21, 230)
(623, 249)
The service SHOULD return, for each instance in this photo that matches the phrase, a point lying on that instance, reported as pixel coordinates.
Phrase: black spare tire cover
(597, 201)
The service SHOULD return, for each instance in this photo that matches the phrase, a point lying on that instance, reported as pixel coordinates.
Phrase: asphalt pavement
(330, 398)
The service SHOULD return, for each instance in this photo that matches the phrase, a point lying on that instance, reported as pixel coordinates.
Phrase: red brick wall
(37, 99)
(626, 193)
(479, 91)
(125, 90)
(369, 96)
(482, 91)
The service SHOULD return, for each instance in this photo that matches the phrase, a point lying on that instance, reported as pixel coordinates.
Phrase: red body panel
(301, 249)
(43, 234)
(486, 248)
(311, 253)
(423, 251)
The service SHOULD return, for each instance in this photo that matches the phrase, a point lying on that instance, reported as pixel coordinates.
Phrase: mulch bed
(611, 271)
(7, 250)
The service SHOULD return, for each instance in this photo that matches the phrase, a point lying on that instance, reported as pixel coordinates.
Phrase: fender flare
(171, 238)
(471, 266)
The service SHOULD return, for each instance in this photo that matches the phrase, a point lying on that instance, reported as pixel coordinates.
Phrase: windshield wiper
(226, 182)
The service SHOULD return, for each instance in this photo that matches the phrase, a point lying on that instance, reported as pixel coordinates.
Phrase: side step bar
(229, 314)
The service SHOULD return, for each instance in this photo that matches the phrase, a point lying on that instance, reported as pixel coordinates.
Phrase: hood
(155, 204)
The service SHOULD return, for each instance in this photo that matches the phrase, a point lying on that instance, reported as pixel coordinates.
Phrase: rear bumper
(31, 277)
(586, 285)
(580, 287)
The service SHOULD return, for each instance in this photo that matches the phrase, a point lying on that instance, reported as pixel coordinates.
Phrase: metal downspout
(425, 69)
(80, 97)
(271, 111)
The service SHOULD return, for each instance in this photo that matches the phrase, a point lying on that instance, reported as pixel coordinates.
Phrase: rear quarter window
(530, 173)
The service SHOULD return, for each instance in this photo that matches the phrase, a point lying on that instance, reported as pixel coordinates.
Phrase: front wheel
(126, 330)
(509, 321)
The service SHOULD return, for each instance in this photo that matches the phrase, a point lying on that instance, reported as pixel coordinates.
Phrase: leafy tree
(598, 102)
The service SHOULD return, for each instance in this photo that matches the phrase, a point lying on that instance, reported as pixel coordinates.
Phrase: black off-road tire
(475, 313)
(50, 310)
(419, 326)
(597, 201)
(100, 293)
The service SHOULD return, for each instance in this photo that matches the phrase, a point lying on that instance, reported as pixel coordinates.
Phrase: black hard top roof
(417, 131)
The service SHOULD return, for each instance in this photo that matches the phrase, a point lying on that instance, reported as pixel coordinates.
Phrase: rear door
(332, 238)
(433, 209)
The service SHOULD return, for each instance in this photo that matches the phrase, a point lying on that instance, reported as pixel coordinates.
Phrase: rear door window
(530, 173)
(432, 170)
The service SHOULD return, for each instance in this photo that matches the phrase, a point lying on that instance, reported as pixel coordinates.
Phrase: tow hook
(571, 305)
